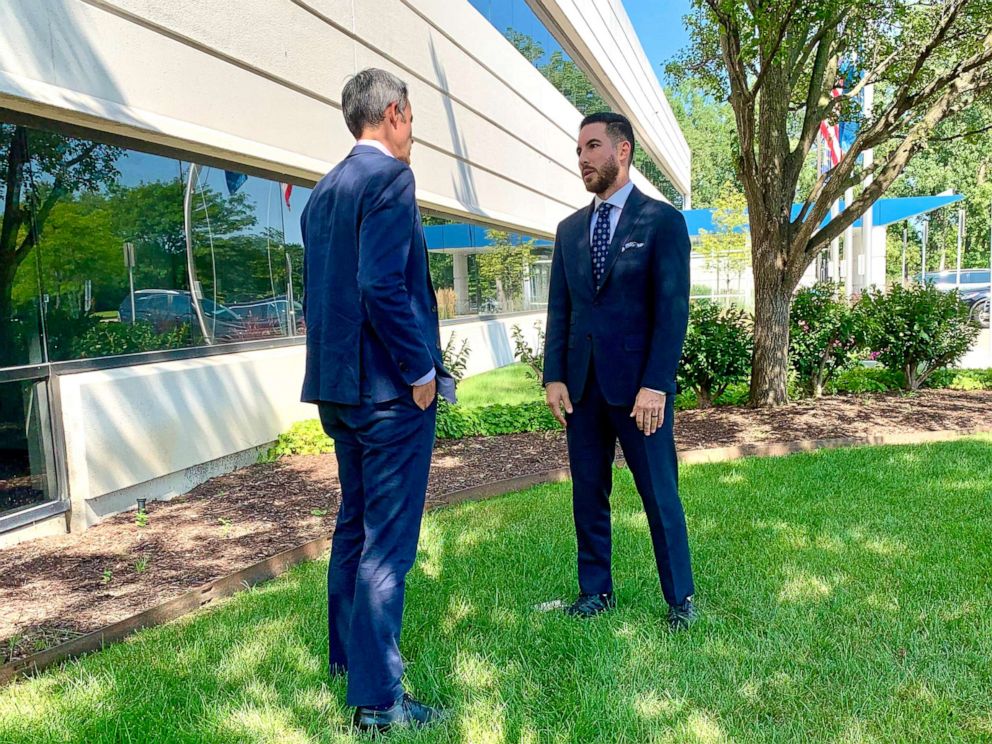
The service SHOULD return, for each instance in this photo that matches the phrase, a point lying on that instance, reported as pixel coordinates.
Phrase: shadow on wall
(147, 424)
(465, 189)
(49, 41)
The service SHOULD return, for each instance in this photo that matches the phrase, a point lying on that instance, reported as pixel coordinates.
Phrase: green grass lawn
(845, 598)
(510, 385)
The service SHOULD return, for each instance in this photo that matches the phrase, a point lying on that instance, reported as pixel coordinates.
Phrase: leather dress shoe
(590, 605)
(680, 617)
(404, 713)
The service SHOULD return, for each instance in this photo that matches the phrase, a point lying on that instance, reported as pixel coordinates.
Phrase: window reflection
(26, 460)
(93, 251)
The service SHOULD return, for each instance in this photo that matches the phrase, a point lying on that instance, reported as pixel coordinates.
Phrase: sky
(658, 24)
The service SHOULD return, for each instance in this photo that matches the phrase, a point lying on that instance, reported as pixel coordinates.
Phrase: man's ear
(624, 144)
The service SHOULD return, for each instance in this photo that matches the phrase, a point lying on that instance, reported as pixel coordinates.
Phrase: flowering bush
(717, 350)
(823, 335)
(916, 330)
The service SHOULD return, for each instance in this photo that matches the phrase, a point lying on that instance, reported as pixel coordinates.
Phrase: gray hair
(366, 97)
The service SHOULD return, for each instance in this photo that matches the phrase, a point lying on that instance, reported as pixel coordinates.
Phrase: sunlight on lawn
(843, 598)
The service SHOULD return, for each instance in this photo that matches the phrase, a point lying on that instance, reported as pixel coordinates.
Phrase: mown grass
(844, 594)
(507, 385)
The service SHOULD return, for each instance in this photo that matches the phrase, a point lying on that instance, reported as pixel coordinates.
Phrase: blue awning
(463, 236)
(884, 211)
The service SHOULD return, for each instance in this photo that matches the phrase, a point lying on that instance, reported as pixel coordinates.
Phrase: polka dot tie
(601, 241)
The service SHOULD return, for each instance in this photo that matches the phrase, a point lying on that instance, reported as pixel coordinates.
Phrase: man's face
(598, 158)
(400, 131)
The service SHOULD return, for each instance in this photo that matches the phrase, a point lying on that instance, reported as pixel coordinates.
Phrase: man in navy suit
(618, 307)
(373, 368)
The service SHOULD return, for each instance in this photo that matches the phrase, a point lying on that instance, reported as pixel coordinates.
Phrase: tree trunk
(8, 352)
(770, 362)
(704, 398)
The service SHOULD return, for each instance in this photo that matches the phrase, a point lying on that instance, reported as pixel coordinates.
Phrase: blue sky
(659, 27)
(658, 24)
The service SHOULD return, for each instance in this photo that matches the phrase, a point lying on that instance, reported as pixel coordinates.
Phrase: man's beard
(604, 177)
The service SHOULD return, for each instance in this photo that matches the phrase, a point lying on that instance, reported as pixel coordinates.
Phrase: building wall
(156, 431)
(258, 82)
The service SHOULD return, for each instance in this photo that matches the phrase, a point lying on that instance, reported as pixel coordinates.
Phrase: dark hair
(618, 128)
(366, 97)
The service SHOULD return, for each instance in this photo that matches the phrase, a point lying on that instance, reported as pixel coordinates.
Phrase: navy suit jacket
(370, 307)
(633, 327)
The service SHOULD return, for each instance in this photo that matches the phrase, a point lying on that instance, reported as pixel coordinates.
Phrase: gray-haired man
(373, 368)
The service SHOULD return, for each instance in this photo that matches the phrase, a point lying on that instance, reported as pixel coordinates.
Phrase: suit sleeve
(559, 319)
(670, 269)
(384, 244)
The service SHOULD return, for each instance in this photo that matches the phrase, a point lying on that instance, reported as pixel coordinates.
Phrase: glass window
(93, 260)
(483, 271)
(26, 460)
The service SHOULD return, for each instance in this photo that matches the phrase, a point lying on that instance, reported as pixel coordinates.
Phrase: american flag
(287, 189)
(831, 134)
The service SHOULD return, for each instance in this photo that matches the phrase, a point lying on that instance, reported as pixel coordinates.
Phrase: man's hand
(558, 401)
(649, 411)
(423, 395)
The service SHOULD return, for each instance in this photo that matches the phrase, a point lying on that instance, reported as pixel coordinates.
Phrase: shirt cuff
(426, 378)
(659, 392)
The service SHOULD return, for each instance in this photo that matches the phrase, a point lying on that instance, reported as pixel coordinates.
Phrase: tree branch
(776, 45)
(950, 102)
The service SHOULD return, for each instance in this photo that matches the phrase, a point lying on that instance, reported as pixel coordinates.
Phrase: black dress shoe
(590, 605)
(405, 713)
(680, 617)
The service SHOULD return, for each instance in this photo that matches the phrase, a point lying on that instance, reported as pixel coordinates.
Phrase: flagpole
(905, 242)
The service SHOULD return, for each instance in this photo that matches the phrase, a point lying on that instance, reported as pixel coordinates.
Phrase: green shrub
(860, 380)
(456, 422)
(961, 379)
(453, 422)
(916, 330)
(524, 352)
(717, 351)
(823, 335)
(111, 339)
(303, 438)
(455, 360)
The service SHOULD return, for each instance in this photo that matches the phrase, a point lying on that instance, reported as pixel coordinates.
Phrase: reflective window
(483, 271)
(94, 257)
(26, 459)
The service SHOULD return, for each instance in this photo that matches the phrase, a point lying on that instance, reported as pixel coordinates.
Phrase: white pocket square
(631, 244)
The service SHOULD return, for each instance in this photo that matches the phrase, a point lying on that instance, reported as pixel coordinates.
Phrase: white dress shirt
(618, 199)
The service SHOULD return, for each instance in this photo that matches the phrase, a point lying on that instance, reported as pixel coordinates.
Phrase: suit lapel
(584, 250)
(629, 218)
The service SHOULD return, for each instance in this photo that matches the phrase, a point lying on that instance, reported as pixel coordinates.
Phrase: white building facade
(112, 102)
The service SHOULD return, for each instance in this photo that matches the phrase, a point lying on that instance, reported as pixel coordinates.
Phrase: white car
(971, 279)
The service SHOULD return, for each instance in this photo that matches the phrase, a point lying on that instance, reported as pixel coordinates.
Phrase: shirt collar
(377, 145)
(618, 199)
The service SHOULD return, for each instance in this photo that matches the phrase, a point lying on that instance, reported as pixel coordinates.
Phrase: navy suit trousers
(593, 429)
(384, 455)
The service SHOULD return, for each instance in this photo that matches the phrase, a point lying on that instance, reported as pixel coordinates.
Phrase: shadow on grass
(843, 593)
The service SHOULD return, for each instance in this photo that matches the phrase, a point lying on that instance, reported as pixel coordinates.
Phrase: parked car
(948, 280)
(978, 302)
(166, 309)
(274, 311)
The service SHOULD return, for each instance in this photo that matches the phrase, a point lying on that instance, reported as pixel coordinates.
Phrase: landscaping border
(278, 564)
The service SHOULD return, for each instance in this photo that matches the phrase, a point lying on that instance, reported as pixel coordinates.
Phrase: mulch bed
(55, 588)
